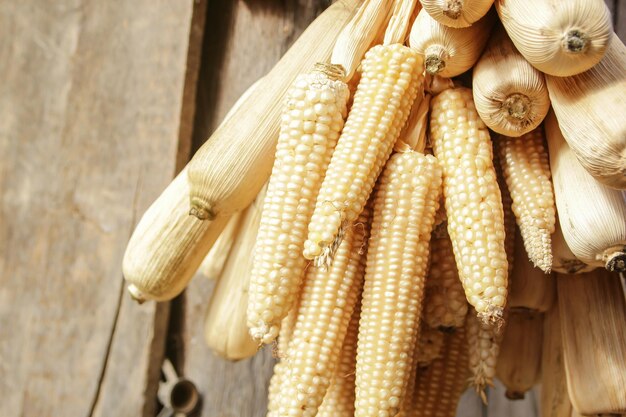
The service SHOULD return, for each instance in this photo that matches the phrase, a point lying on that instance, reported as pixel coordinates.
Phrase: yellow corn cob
(509, 218)
(311, 122)
(483, 342)
(326, 305)
(472, 199)
(339, 399)
(445, 304)
(429, 345)
(440, 385)
(388, 87)
(404, 212)
(526, 169)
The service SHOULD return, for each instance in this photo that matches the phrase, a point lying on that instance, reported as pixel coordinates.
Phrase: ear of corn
(594, 227)
(472, 199)
(449, 52)
(388, 87)
(429, 345)
(526, 169)
(519, 360)
(510, 228)
(510, 94)
(312, 120)
(445, 305)
(590, 108)
(228, 171)
(327, 301)
(457, 13)
(563, 260)
(225, 327)
(558, 37)
(404, 210)
(593, 341)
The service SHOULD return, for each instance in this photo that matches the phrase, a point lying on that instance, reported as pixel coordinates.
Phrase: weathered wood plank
(620, 19)
(500, 406)
(90, 110)
(470, 405)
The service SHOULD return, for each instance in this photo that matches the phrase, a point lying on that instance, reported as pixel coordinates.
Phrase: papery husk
(400, 21)
(519, 361)
(563, 260)
(558, 37)
(510, 94)
(228, 171)
(590, 108)
(530, 287)
(555, 400)
(592, 216)
(213, 263)
(593, 311)
(449, 52)
(457, 13)
(225, 328)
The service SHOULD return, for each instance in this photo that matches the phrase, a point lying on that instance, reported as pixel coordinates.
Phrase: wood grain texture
(90, 111)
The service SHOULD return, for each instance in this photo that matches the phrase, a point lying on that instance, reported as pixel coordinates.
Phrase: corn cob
(339, 399)
(519, 361)
(594, 228)
(429, 345)
(483, 341)
(510, 228)
(457, 13)
(526, 169)
(593, 341)
(472, 199)
(326, 305)
(445, 306)
(389, 84)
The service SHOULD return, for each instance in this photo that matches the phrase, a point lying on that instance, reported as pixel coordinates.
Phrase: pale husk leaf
(457, 13)
(558, 37)
(563, 260)
(213, 263)
(400, 21)
(592, 216)
(590, 108)
(510, 94)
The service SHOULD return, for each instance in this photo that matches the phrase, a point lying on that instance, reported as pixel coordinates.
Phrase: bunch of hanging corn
(383, 253)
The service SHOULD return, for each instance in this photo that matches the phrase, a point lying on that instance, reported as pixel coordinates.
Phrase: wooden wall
(100, 104)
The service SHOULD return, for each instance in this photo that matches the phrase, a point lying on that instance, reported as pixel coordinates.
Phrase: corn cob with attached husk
(510, 94)
(400, 22)
(214, 262)
(510, 226)
(339, 399)
(225, 328)
(555, 401)
(592, 216)
(529, 288)
(472, 199)
(228, 171)
(390, 80)
(445, 305)
(449, 52)
(519, 361)
(563, 260)
(590, 108)
(526, 169)
(406, 200)
(593, 341)
(483, 344)
(457, 13)
(558, 37)
(312, 119)
(327, 301)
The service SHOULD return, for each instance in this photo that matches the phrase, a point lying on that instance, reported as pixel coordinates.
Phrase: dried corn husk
(168, 245)
(457, 13)
(510, 94)
(449, 52)
(590, 108)
(531, 288)
(554, 398)
(225, 328)
(228, 171)
(519, 362)
(563, 260)
(558, 37)
(213, 264)
(593, 309)
(592, 216)
(400, 21)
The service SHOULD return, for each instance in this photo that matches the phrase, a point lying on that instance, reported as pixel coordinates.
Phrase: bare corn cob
(483, 341)
(445, 305)
(326, 305)
(472, 199)
(429, 345)
(389, 84)
(339, 399)
(404, 211)
(526, 169)
(311, 122)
